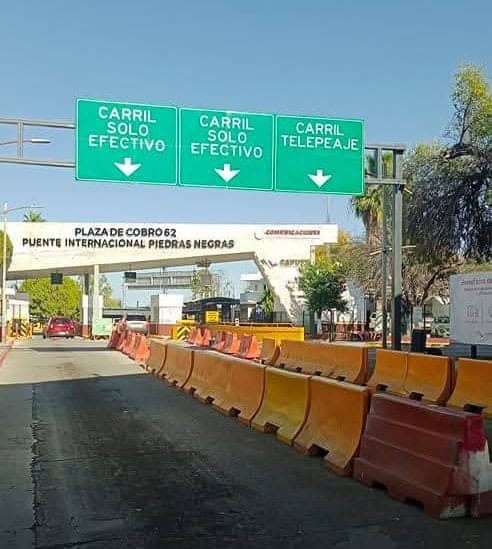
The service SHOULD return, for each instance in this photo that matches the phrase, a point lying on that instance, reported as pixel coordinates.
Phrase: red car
(59, 326)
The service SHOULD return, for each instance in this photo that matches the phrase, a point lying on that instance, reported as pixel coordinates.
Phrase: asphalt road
(97, 454)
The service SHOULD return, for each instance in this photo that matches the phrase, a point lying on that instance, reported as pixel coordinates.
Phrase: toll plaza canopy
(40, 249)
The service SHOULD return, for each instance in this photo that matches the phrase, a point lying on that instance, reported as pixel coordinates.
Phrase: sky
(389, 63)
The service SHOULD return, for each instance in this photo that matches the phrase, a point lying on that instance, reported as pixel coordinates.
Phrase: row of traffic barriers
(242, 346)
(133, 344)
(427, 378)
(391, 430)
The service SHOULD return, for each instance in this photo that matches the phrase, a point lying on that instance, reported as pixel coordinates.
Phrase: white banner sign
(471, 308)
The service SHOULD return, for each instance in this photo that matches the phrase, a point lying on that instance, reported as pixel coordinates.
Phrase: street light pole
(5, 211)
(33, 140)
(397, 267)
(4, 274)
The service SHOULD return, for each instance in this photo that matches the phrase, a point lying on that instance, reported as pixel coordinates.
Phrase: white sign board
(471, 308)
(166, 308)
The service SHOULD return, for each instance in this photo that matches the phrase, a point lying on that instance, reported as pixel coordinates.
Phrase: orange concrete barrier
(143, 350)
(219, 341)
(306, 357)
(136, 344)
(206, 338)
(198, 341)
(243, 344)
(248, 347)
(129, 343)
(114, 339)
(428, 378)
(231, 345)
(157, 355)
(473, 385)
(209, 376)
(178, 364)
(270, 352)
(194, 335)
(243, 392)
(350, 363)
(335, 422)
(390, 371)
(122, 340)
(285, 404)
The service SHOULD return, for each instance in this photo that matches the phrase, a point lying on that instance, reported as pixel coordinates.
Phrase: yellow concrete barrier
(390, 371)
(285, 404)
(270, 351)
(260, 331)
(157, 355)
(343, 362)
(243, 392)
(335, 422)
(350, 363)
(473, 385)
(307, 357)
(428, 378)
(209, 376)
(178, 364)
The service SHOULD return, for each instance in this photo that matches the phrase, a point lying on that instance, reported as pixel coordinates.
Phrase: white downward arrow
(127, 167)
(226, 173)
(320, 179)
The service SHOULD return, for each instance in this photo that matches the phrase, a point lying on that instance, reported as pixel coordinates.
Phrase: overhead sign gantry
(132, 143)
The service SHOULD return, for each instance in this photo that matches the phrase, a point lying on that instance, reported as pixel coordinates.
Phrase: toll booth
(220, 309)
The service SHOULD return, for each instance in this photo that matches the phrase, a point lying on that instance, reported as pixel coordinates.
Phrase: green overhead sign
(126, 143)
(134, 143)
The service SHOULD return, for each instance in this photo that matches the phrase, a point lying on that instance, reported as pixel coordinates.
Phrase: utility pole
(384, 269)
(397, 267)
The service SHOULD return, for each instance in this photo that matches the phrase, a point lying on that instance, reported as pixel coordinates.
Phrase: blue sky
(389, 63)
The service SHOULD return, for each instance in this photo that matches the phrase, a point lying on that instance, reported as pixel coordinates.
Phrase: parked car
(135, 323)
(59, 326)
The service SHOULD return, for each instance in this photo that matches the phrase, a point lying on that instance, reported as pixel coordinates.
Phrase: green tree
(450, 210)
(106, 290)
(48, 300)
(33, 217)
(369, 208)
(322, 284)
(267, 301)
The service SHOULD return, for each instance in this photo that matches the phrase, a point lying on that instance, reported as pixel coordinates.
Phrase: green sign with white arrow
(126, 142)
(226, 149)
(319, 155)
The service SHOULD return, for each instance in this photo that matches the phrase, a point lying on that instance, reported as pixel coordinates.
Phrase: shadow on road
(128, 460)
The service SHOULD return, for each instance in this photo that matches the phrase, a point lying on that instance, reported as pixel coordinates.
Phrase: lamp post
(33, 140)
(6, 211)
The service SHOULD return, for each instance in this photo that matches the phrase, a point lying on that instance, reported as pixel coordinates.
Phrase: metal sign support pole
(396, 267)
(384, 269)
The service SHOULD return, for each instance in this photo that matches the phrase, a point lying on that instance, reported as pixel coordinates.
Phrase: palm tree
(369, 208)
(33, 217)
